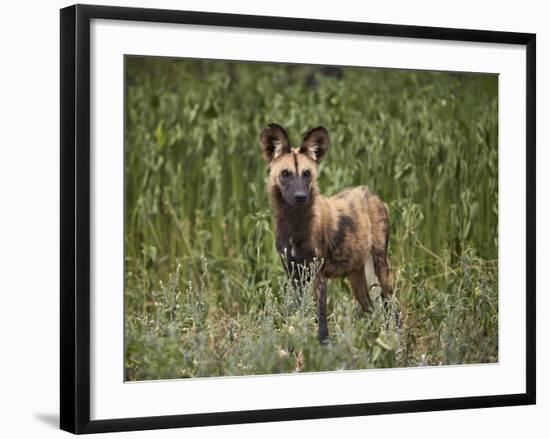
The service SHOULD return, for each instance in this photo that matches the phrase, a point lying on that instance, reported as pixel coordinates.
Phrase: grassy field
(205, 293)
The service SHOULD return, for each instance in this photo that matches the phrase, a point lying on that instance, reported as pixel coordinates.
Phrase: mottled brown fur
(346, 230)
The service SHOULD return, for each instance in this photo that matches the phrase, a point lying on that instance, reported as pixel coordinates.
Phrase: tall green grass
(204, 289)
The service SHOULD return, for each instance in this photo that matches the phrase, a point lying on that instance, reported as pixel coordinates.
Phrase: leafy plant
(205, 290)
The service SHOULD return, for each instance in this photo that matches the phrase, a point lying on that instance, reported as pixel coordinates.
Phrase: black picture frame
(75, 217)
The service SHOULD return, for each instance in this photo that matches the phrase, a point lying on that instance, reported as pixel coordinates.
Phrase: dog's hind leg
(382, 271)
(379, 252)
(374, 289)
(359, 287)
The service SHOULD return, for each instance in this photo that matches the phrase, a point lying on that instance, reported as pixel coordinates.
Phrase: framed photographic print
(268, 218)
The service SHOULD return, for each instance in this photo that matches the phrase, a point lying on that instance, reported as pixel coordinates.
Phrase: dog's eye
(285, 173)
(306, 173)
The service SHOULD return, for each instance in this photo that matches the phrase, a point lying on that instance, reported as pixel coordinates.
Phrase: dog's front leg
(321, 295)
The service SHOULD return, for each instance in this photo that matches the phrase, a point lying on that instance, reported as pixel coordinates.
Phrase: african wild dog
(349, 232)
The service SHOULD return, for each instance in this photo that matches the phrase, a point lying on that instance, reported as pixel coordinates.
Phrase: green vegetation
(205, 293)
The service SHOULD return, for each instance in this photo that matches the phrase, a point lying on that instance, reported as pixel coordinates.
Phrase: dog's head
(293, 171)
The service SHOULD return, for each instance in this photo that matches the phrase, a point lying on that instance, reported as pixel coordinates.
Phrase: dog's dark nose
(300, 197)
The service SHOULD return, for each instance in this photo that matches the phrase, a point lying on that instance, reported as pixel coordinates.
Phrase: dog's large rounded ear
(315, 143)
(274, 142)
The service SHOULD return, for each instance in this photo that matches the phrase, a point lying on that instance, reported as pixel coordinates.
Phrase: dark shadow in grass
(50, 419)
